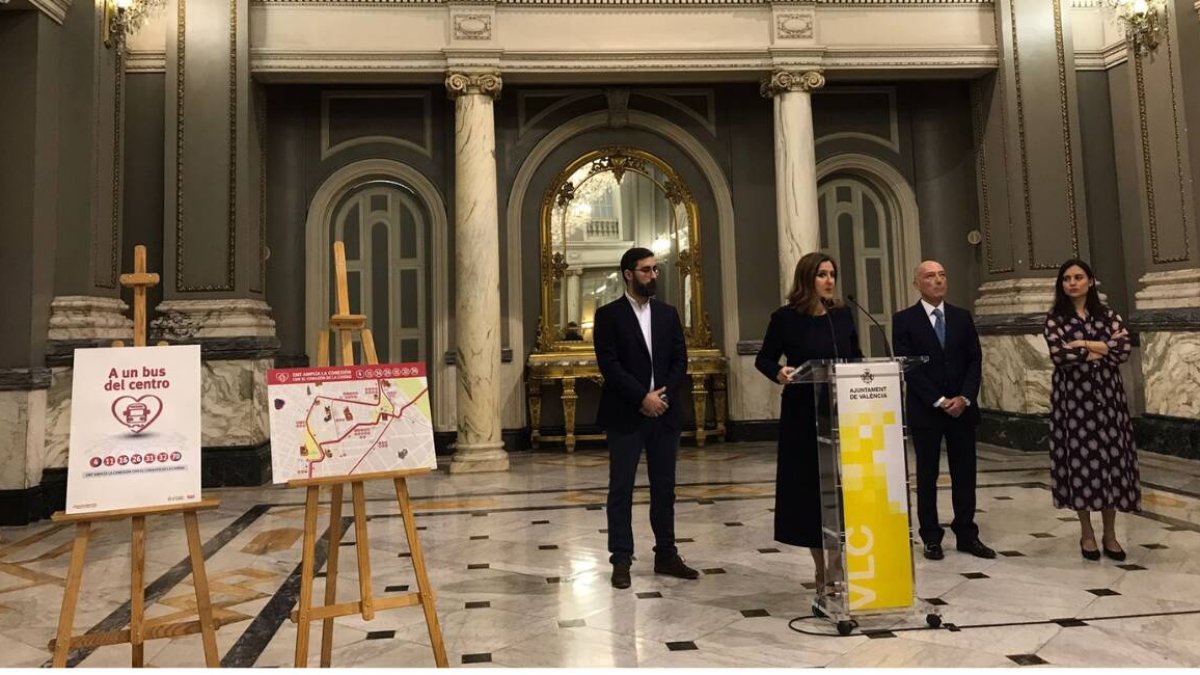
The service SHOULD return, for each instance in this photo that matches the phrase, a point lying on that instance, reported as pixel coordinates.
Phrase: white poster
(135, 428)
(345, 420)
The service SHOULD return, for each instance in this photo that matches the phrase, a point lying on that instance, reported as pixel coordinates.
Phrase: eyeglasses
(648, 270)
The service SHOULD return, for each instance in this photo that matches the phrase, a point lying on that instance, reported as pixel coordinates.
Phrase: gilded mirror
(600, 205)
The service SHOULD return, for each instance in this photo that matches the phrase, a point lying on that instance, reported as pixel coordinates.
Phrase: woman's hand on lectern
(785, 374)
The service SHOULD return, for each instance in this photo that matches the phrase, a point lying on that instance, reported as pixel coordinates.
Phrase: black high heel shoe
(1091, 555)
(1118, 555)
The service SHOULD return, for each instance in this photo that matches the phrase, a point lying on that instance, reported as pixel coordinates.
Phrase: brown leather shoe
(674, 567)
(620, 575)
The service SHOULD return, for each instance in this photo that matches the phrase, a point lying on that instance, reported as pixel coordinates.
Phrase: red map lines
(382, 416)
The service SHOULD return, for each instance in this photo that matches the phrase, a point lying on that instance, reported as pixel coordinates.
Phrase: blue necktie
(939, 327)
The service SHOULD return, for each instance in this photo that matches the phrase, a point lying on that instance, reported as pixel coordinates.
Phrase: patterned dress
(1093, 463)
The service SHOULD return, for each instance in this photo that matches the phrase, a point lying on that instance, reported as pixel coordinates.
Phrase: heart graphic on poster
(137, 413)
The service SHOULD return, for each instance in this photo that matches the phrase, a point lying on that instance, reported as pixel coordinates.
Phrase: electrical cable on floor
(954, 628)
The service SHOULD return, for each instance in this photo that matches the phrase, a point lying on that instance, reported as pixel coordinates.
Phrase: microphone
(886, 348)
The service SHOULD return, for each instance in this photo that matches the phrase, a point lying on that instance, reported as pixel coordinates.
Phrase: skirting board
(1020, 431)
(1176, 436)
(237, 466)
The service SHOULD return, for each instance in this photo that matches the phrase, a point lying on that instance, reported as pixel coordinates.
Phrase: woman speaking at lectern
(812, 325)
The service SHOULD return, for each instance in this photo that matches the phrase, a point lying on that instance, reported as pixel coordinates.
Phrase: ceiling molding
(654, 3)
(55, 9)
(145, 61)
(971, 58)
(1102, 59)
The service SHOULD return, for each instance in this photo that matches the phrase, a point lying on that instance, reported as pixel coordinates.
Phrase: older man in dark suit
(642, 355)
(943, 397)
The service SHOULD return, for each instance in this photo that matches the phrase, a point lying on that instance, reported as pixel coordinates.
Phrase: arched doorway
(384, 229)
(856, 231)
(869, 224)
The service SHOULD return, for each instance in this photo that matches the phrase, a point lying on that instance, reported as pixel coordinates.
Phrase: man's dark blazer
(952, 371)
(625, 363)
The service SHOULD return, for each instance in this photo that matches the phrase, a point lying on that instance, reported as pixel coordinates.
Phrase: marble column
(477, 274)
(214, 276)
(573, 295)
(795, 168)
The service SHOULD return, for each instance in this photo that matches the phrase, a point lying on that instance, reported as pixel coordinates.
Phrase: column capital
(459, 83)
(782, 81)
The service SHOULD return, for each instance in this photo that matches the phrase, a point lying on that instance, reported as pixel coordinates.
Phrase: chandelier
(123, 17)
(1143, 21)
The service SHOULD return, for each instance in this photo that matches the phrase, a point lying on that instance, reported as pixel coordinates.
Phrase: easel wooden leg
(363, 550)
(331, 572)
(306, 575)
(137, 591)
(66, 618)
(208, 630)
(323, 348)
(423, 586)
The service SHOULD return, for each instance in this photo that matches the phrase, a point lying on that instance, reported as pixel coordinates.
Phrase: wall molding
(1158, 254)
(892, 141)
(181, 34)
(564, 97)
(1102, 59)
(145, 61)
(24, 379)
(668, 96)
(969, 59)
(425, 148)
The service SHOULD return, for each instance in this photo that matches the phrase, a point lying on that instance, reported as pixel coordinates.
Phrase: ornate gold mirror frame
(678, 247)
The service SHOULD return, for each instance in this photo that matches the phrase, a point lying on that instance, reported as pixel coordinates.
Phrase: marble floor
(519, 565)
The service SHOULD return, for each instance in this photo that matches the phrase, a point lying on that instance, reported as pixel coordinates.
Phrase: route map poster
(135, 428)
(345, 420)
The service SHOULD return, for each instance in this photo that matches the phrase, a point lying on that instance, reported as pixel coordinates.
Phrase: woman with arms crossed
(1093, 463)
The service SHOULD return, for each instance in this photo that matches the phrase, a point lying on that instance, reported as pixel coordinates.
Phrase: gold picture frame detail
(620, 161)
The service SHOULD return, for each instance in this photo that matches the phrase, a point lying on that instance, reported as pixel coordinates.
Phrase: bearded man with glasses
(642, 355)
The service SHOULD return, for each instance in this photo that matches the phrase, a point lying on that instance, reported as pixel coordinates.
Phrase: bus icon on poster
(137, 413)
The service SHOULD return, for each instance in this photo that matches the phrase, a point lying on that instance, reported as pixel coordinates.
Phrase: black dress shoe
(674, 567)
(934, 552)
(976, 548)
(620, 575)
(1118, 555)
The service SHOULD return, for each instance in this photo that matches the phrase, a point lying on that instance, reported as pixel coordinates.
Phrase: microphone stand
(886, 348)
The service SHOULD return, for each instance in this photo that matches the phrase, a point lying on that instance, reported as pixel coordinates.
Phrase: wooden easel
(139, 629)
(345, 325)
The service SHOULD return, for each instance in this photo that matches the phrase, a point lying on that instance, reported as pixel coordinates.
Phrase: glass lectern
(868, 538)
